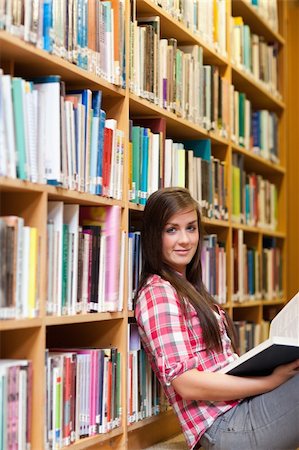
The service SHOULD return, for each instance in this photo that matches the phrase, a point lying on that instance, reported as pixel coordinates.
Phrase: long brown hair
(160, 206)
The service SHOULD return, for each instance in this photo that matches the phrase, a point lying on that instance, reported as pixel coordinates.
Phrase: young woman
(188, 338)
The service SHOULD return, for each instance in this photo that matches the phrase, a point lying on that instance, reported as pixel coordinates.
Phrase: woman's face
(180, 238)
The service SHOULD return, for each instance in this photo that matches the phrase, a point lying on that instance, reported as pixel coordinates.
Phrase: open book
(282, 346)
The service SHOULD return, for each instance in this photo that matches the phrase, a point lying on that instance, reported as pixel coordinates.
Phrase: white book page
(286, 322)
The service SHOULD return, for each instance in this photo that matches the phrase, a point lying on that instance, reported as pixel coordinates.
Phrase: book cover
(108, 218)
(281, 347)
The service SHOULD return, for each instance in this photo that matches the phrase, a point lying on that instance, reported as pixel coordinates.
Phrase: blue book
(144, 165)
(250, 271)
(99, 182)
(47, 25)
(247, 203)
(135, 162)
(96, 108)
(256, 133)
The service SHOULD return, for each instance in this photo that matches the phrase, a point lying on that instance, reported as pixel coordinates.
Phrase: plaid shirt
(173, 341)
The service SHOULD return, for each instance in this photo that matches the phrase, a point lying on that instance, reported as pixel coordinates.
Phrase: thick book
(281, 347)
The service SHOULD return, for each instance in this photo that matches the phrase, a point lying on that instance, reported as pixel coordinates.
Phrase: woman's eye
(170, 230)
(191, 228)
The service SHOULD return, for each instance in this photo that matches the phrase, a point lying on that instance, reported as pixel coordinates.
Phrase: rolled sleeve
(165, 332)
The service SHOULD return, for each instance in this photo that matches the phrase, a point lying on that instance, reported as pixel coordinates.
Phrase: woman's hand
(284, 372)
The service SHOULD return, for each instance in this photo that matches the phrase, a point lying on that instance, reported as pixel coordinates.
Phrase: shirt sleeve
(166, 331)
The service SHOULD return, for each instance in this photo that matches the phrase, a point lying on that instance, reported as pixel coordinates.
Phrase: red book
(107, 151)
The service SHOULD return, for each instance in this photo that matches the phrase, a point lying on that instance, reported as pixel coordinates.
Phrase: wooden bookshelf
(28, 338)
(292, 143)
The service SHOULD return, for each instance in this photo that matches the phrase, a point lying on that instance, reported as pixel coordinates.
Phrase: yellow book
(181, 167)
(238, 21)
(32, 285)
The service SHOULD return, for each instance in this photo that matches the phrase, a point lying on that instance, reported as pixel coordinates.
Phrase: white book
(55, 215)
(121, 271)
(281, 347)
(119, 169)
(9, 126)
(102, 274)
(31, 105)
(154, 163)
(49, 128)
(130, 272)
(168, 162)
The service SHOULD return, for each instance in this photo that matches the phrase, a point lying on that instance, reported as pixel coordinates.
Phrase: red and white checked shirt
(173, 341)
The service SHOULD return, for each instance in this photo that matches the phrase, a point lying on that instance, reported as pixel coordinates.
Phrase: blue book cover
(255, 126)
(247, 203)
(201, 148)
(47, 25)
(250, 271)
(135, 162)
(99, 182)
(96, 108)
(144, 166)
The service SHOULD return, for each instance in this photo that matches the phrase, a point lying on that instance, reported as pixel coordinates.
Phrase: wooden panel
(293, 154)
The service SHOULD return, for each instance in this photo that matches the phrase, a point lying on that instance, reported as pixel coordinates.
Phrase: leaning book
(281, 347)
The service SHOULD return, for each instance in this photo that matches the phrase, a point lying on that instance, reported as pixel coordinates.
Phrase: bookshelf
(28, 338)
(292, 97)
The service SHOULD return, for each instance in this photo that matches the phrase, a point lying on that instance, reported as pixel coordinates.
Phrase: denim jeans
(268, 421)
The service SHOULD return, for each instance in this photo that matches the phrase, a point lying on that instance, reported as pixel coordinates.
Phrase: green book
(18, 107)
(135, 162)
(242, 98)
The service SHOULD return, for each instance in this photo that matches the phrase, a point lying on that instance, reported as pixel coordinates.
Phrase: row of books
(145, 394)
(250, 334)
(255, 130)
(174, 77)
(85, 248)
(19, 268)
(83, 395)
(254, 198)
(205, 19)
(254, 55)
(158, 162)
(90, 34)
(15, 399)
(255, 275)
(213, 260)
(82, 149)
(268, 10)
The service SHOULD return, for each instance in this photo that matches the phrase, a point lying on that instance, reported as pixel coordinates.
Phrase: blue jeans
(265, 422)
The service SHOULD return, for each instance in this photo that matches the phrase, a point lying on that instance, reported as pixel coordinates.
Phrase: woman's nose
(183, 237)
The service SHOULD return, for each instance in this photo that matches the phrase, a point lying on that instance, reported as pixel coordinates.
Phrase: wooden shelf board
(253, 303)
(258, 25)
(258, 163)
(248, 229)
(259, 96)
(186, 129)
(82, 318)
(215, 222)
(62, 194)
(99, 439)
(172, 28)
(24, 56)
(56, 193)
(136, 207)
(149, 420)
(16, 324)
